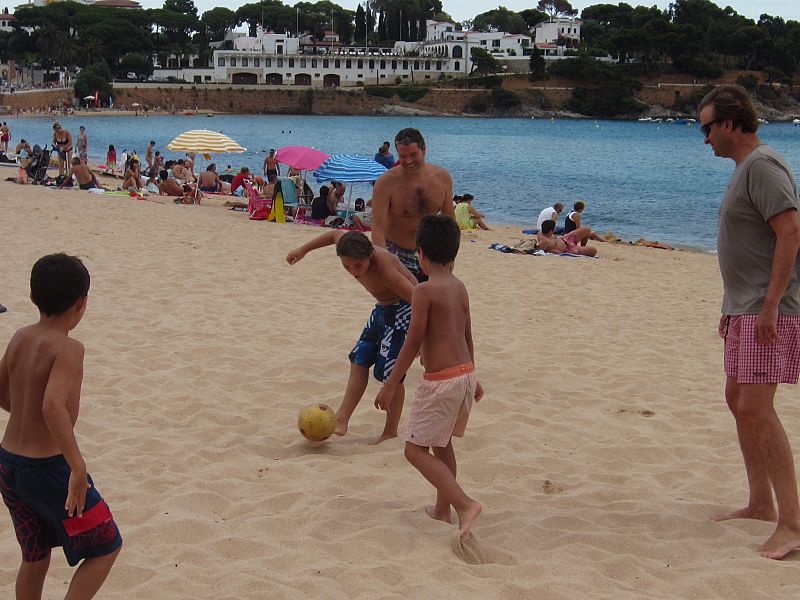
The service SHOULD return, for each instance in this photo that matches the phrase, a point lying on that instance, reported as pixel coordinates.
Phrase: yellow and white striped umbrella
(204, 141)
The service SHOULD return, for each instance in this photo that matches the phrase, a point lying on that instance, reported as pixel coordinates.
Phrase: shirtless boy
(405, 194)
(390, 283)
(441, 326)
(43, 477)
(569, 242)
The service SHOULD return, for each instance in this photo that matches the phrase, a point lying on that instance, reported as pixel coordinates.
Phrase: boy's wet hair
(579, 206)
(548, 226)
(354, 244)
(439, 237)
(409, 135)
(58, 281)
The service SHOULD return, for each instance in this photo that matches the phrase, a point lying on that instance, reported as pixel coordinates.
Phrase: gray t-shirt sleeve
(770, 188)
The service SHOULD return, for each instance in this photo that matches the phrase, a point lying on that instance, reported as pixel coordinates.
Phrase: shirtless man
(149, 156)
(85, 178)
(405, 194)
(180, 171)
(570, 242)
(271, 167)
(209, 181)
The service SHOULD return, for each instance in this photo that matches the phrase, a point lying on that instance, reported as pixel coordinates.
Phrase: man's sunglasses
(705, 129)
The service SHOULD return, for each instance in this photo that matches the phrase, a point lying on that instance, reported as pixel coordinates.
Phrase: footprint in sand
(548, 487)
(471, 552)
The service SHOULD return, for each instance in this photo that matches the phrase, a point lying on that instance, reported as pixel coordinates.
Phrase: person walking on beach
(391, 284)
(149, 156)
(442, 328)
(271, 167)
(757, 248)
(43, 476)
(402, 196)
(62, 142)
(82, 145)
(5, 136)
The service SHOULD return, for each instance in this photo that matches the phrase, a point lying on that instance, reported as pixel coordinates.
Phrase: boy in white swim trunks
(441, 326)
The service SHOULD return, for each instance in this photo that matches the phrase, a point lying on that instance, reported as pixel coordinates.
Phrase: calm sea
(657, 181)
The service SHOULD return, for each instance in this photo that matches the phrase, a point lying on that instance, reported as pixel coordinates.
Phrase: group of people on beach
(422, 309)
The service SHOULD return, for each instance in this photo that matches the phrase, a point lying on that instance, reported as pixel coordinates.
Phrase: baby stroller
(37, 167)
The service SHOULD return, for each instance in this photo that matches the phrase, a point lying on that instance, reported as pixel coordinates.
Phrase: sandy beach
(601, 449)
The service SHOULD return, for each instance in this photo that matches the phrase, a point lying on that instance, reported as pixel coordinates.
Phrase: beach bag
(334, 222)
(261, 209)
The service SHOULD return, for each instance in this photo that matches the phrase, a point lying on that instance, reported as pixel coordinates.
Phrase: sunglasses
(705, 129)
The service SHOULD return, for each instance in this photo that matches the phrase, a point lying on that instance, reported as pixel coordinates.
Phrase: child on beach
(441, 326)
(111, 159)
(43, 477)
(390, 283)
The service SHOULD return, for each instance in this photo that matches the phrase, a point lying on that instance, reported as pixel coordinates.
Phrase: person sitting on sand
(133, 178)
(237, 184)
(320, 207)
(79, 172)
(181, 173)
(563, 244)
(550, 213)
(169, 186)
(151, 185)
(573, 222)
(441, 327)
(391, 284)
(209, 181)
(466, 215)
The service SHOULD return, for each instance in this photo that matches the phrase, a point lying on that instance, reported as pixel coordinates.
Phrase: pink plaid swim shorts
(747, 361)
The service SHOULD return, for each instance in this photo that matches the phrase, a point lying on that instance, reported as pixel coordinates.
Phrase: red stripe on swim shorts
(97, 515)
(450, 372)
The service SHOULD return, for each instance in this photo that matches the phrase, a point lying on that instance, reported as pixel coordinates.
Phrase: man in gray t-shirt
(759, 239)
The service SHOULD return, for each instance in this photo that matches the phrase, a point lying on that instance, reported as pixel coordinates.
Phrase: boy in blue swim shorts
(390, 283)
(43, 477)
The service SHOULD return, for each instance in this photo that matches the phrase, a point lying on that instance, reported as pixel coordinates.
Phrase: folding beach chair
(257, 207)
(284, 197)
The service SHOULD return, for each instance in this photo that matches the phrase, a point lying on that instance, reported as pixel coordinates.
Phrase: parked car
(131, 75)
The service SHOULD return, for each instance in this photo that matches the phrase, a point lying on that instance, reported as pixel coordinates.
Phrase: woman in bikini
(62, 142)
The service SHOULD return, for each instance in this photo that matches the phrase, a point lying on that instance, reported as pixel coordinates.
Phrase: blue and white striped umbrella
(349, 168)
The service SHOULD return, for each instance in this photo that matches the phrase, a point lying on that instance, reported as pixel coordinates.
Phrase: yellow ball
(317, 422)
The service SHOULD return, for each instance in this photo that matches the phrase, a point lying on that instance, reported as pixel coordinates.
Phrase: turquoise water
(657, 181)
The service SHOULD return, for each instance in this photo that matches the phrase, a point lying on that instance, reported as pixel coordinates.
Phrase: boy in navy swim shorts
(43, 477)
(390, 283)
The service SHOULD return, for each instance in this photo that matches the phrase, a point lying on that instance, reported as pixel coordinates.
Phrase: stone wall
(37, 100)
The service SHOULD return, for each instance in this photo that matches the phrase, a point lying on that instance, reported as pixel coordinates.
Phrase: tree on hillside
(557, 8)
(483, 63)
(500, 19)
(94, 78)
(217, 22)
(185, 7)
(533, 17)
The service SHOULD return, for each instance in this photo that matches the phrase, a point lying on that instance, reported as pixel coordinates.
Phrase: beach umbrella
(203, 141)
(89, 97)
(350, 168)
(301, 157)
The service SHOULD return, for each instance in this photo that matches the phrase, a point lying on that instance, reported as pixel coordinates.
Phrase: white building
(282, 59)
(566, 29)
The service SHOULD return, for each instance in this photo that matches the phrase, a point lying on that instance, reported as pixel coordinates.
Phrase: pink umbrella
(301, 157)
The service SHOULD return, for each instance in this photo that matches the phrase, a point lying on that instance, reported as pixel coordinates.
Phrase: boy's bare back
(41, 366)
(448, 328)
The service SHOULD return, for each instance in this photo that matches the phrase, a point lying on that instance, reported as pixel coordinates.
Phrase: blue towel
(530, 231)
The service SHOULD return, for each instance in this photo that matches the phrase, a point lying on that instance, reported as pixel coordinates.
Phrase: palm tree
(92, 51)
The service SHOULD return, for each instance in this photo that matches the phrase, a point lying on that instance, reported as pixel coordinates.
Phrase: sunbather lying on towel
(567, 243)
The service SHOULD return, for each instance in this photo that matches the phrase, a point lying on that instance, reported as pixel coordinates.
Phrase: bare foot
(748, 512)
(467, 518)
(341, 427)
(382, 438)
(782, 542)
(433, 514)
